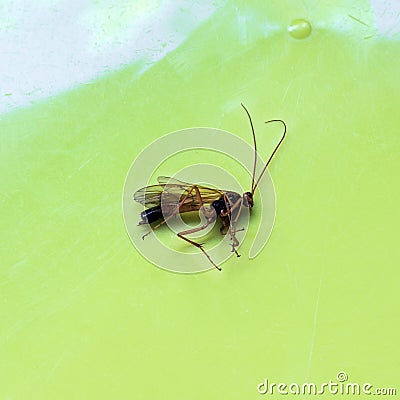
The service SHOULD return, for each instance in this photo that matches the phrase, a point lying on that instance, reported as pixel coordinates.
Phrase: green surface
(84, 316)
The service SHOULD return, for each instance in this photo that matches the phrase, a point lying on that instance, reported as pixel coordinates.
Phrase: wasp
(171, 197)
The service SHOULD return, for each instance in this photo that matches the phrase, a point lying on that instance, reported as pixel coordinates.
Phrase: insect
(171, 197)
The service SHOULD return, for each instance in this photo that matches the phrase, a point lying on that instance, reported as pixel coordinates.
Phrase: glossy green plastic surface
(85, 316)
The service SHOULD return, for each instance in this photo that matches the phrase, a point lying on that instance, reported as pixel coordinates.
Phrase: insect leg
(211, 216)
(198, 245)
(235, 220)
(225, 226)
(232, 223)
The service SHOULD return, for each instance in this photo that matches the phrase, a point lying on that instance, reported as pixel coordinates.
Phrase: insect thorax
(222, 203)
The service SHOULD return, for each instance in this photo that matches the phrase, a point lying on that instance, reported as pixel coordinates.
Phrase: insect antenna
(255, 149)
(254, 183)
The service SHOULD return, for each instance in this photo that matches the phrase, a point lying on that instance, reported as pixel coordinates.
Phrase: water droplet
(299, 28)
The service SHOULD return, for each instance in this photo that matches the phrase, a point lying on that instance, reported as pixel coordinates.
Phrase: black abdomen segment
(150, 215)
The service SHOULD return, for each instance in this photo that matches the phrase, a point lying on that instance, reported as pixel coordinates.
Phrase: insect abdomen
(151, 215)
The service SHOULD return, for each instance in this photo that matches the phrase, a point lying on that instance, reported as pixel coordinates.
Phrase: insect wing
(171, 191)
(149, 196)
(172, 185)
